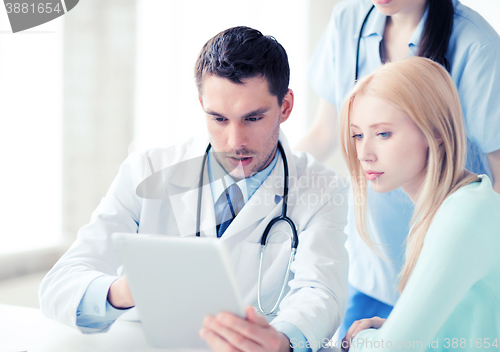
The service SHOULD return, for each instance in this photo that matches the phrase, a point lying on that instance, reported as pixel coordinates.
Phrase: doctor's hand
(360, 325)
(119, 294)
(228, 332)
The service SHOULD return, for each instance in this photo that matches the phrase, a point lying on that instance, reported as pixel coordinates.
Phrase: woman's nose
(365, 150)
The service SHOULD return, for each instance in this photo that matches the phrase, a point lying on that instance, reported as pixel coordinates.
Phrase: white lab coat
(317, 296)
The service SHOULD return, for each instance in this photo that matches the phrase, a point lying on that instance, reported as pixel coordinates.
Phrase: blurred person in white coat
(242, 79)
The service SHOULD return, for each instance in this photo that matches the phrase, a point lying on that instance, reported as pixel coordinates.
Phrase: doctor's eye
(358, 136)
(219, 119)
(384, 134)
(253, 119)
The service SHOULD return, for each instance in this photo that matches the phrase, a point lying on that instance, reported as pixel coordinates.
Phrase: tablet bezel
(200, 282)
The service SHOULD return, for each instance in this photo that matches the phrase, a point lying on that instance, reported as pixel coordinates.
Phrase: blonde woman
(402, 127)
(360, 37)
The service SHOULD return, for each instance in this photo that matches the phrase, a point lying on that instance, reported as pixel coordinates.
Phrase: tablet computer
(176, 282)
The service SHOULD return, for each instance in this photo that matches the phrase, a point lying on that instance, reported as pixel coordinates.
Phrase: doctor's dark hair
(239, 53)
(437, 31)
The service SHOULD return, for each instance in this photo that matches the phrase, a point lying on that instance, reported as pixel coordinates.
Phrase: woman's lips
(372, 175)
(382, 2)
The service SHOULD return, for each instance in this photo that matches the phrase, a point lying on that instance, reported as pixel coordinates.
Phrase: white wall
(170, 36)
(30, 136)
(489, 9)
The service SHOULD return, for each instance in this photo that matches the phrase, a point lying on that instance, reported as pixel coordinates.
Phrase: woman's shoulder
(467, 227)
(473, 208)
(353, 5)
(470, 28)
(351, 11)
(478, 194)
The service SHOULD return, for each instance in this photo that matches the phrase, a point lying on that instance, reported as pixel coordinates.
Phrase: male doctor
(242, 79)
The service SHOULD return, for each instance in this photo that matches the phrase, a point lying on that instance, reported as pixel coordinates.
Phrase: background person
(402, 127)
(242, 78)
(450, 34)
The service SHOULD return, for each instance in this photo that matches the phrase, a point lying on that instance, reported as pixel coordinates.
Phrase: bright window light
(170, 36)
(489, 9)
(30, 136)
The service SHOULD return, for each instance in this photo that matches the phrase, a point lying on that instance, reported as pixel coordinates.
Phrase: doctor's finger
(216, 342)
(253, 317)
(246, 328)
(234, 338)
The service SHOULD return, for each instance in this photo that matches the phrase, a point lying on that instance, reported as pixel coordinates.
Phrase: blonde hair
(426, 92)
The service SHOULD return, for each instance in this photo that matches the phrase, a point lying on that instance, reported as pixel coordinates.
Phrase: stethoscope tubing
(356, 74)
(294, 239)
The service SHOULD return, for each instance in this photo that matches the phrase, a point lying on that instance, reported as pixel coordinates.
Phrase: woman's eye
(220, 119)
(385, 134)
(358, 136)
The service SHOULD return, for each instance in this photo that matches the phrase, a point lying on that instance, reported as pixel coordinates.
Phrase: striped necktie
(233, 204)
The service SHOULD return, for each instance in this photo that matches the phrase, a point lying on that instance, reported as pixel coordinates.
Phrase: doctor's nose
(365, 151)
(237, 137)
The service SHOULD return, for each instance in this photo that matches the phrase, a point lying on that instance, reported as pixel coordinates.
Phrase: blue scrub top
(473, 53)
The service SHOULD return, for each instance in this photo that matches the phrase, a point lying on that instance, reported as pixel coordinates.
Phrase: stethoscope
(359, 42)
(294, 239)
(446, 64)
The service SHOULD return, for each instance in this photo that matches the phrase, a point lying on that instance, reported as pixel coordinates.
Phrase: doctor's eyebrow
(213, 113)
(250, 114)
(256, 112)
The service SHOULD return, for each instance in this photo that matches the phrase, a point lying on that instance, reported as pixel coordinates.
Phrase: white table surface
(26, 329)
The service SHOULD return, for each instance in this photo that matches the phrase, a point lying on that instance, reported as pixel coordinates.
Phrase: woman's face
(391, 148)
(394, 7)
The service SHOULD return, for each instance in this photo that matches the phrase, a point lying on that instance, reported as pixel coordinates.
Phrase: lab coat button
(96, 309)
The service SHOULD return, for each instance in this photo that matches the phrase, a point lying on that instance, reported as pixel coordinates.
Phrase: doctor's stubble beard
(272, 142)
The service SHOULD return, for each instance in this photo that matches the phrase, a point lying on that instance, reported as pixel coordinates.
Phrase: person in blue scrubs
(450, 34)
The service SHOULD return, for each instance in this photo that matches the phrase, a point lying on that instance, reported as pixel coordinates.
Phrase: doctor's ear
(200, 100)
(287, 106)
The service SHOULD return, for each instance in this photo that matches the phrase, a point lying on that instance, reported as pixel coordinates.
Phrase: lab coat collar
(188, 176)
(164, 176)
(185, 207)
(260, 205)
(220, 180)
(185, 179)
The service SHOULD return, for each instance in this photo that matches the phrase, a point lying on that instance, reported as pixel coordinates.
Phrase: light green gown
(452, 300)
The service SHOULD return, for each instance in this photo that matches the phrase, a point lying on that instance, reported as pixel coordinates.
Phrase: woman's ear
(438, 138)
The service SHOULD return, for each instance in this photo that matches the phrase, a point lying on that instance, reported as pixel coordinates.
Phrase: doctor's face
(391, 148)
(243, 122)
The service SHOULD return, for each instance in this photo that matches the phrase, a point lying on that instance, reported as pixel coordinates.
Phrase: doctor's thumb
(253, 317)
